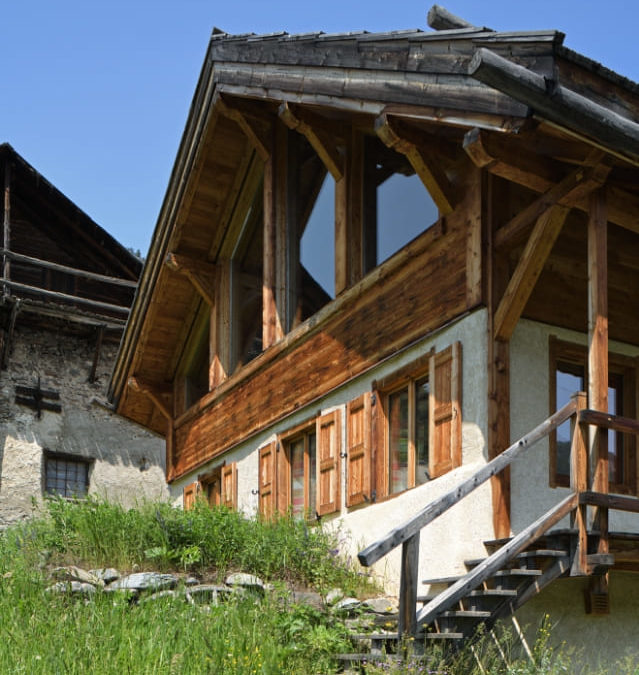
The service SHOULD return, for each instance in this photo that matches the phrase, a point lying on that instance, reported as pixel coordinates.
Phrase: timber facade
(376, 360)
(67, 287)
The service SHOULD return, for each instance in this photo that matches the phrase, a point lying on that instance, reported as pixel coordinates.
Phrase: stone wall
(127, 462)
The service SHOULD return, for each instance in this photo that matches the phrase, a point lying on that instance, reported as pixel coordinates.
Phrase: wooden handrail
(402, 533)
(618, 502)
(609, 421)
(496, 561)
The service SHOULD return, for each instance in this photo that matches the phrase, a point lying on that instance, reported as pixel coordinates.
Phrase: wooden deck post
(598, 350)
(409, 580)
(578, 484)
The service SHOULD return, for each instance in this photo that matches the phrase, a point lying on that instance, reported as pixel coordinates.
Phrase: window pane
(421, 431)
(570, 378)
(398, 440)
(66, 478)
(297, 477)
(616, 473)
(312, 469)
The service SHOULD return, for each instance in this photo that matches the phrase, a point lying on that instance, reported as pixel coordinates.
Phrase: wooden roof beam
(201, 274)
(531, 263)
(154, 393)
(322, 140)
(577, 182)
(254, 128)
(512, 160)
(414, 145)
(560, 105)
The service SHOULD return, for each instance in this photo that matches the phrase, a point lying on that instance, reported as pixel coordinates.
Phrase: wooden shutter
(229, 485)
(268, 480)
(189, 495)
(444, 410)
(358, 450)
(328, 463)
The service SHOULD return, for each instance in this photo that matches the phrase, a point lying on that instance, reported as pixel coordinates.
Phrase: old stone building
(67, 287)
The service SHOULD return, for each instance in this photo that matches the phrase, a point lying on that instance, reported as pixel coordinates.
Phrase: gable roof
(445, 82)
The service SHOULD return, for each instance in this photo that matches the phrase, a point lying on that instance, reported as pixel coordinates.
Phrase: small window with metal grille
(66, 476)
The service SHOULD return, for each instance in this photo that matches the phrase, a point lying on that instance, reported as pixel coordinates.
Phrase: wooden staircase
(516, 569)
(497, 597)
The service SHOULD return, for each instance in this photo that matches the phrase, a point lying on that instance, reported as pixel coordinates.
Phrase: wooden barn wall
(412, 299)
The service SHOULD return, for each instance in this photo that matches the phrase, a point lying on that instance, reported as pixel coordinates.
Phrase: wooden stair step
(525, 555)
(465, 614)
(518, 572)
(492, 593)
(442, 580)
(446, 635)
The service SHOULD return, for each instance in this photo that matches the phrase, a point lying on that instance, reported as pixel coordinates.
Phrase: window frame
(302, 431)
(77, 460)
(620, 367)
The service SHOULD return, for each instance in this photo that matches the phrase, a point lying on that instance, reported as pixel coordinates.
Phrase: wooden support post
(221, 338)
(578, 484)
(598, 350)
(6, 225)
(409, 580)
(349, 217)
(6, 346)
(498, 367)
(96, 354)
(170, 448)
(271, 327)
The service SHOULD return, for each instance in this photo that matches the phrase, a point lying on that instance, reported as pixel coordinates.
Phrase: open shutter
(328, 464)
(267, 480)
(229, 485)
(445, 410)
(189, 495)
(358, 450)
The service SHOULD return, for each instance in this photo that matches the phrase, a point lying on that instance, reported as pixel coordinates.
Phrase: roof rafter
(255, 128)
(201, 274)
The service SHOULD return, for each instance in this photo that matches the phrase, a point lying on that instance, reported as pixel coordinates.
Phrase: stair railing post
(578, 484)
(407, 623)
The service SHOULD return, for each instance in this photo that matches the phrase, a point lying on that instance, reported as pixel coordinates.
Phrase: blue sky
(95, 94)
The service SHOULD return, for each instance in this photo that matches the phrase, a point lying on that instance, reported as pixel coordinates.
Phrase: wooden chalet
(416, 374)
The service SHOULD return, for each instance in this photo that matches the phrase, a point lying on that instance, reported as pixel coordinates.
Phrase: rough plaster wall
(452, 538)
(84, 429)
(597, 640)
(530, 405)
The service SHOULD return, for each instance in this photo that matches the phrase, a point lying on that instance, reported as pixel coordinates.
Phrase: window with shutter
(268, 480)
(189, 495)
(228, 495)
(445, 411)
(328, 461)
(358, 450)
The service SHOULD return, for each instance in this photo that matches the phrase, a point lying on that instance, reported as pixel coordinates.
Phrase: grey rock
(73, 573)
(142, 581)
(334, 595)
(210, 594)
(191, 581)
(347, 606)
(308, 598)
(249, 581)
(164, 594)
(106, 574)
(128, 593)
(381, 605)
(73, 587)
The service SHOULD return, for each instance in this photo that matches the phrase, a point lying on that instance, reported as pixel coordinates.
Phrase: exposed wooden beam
(576, 182)
(560, 105)
(6, 225)
(514, 161)
(397, 135)
(598, 351)
(532, 261)
(200, 273)
(439, 18)
(155, 393)
(255, 130)
(323, 142)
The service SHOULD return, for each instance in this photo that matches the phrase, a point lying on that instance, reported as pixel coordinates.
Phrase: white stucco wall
(452, 538)
(128, 462)
(531, 495)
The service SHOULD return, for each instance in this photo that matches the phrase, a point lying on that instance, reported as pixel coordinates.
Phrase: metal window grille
(66, 478)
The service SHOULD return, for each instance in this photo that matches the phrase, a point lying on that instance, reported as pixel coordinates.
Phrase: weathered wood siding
(420, 289)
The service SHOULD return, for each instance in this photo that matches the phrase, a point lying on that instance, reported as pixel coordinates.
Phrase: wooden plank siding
(425, 287)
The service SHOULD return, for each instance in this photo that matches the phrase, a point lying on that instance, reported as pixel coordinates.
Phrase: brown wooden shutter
(229, 485)
(445, 410)
(268, 480)
(358, 450)
(328, 464)
(189, 495)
